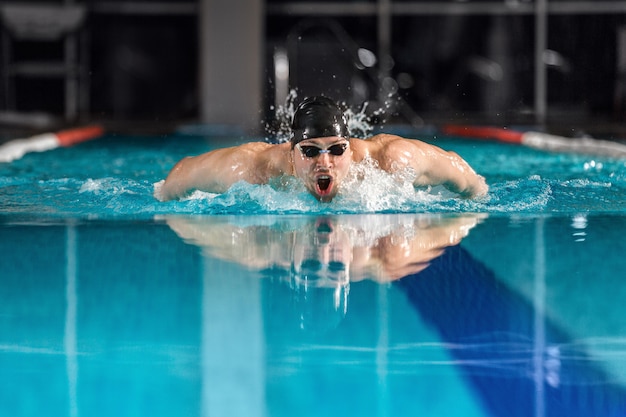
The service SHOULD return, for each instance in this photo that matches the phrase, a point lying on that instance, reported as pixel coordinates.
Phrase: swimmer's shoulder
(381, 139)
(375, 146)
(252, 149)
(233, 151)
(255, 147)
(250, 153)
(272, 159)
(385, 140)
(271, 150)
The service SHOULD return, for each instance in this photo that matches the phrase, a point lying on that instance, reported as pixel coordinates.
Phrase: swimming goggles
(311, 151)
(317, 274)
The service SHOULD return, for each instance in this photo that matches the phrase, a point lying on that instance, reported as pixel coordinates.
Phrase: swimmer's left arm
(459, 176)
(435, 166)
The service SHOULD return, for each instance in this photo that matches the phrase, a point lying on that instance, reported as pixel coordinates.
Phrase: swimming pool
(263, 301)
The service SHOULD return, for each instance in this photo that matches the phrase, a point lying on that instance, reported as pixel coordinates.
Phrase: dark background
(144, 66)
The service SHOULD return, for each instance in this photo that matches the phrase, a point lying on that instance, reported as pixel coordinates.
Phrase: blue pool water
(264, 302)
(114, 178)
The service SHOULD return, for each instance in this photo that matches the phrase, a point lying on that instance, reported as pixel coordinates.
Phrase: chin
(324, 198)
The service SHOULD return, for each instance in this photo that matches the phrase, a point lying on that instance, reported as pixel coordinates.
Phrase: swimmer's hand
(470, 186)
(478, 189)
(158, 190)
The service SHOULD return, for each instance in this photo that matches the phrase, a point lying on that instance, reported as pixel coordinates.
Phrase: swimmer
(320, 153)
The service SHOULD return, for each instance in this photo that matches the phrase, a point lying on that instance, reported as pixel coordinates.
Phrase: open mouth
(324, 185)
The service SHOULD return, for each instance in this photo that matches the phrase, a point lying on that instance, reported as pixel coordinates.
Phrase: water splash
(116, 179)
(280, 127)
(360, 122)
(366, 190)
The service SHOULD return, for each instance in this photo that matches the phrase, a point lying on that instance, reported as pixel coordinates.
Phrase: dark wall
(144, 66)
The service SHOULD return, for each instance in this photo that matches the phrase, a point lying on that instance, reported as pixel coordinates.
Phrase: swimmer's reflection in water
(318, 277)
(318, 258)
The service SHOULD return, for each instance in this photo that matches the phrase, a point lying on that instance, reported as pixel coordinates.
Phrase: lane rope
(540, 140)
(17, 148)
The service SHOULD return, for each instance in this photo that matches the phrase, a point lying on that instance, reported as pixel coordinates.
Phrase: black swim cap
(318, 117)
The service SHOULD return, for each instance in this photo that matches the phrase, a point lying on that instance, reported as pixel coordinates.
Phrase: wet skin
(321, 165)
(322, 174)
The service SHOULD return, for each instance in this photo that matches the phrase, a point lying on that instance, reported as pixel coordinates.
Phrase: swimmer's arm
(218, 170)
(435, 166)
(453, 172)
(193, 173)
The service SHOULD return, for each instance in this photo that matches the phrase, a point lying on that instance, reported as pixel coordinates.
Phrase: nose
(323, 158)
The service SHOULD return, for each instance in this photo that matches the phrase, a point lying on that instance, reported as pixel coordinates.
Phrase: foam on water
(115, 177)
(123, 186)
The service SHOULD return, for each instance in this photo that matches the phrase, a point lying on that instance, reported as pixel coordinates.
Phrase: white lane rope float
(17, 148)
(541, 141)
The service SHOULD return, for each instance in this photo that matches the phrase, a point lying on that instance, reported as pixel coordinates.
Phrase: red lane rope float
(541, 141)
(16, 148)
(484, 132)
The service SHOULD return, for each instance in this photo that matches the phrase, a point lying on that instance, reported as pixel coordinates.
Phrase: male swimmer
(320, 154)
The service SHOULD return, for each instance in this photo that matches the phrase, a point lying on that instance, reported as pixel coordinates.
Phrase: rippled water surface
(264, 302)
(115, 177)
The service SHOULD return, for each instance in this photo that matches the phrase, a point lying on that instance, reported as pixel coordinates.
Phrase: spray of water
(280, 128)
(360, 122)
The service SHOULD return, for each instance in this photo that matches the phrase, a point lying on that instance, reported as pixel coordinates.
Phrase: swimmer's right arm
(217, 170)
(178, 181)
(206, 172)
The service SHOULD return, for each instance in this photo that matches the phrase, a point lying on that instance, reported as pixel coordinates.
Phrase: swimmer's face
(322, 256)
(321, 164)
